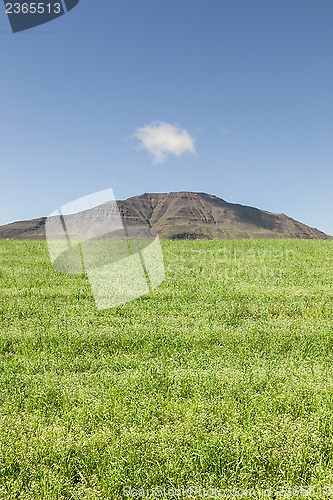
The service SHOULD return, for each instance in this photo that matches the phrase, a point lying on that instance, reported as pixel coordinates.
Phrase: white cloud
(225, 131)
(162, 139)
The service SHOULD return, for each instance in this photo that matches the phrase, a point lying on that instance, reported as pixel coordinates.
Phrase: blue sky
(249, 81)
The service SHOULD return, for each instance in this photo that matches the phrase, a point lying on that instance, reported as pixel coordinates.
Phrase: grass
(222, 377)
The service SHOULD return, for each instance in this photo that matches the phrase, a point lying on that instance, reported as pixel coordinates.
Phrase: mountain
(186, 215)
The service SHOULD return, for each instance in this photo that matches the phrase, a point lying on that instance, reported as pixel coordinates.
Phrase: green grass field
(222, 377)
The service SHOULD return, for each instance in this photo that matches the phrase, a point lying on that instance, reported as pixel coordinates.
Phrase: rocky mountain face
(186, 215)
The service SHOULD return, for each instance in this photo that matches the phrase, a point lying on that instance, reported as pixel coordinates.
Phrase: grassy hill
(222, 377)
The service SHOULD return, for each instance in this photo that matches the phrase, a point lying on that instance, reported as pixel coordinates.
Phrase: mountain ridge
(188, 215)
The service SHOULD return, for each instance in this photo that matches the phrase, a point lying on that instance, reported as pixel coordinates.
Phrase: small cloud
(225, 131)
(162, 139)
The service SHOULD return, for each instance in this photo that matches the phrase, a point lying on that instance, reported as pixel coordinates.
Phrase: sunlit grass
(221, 377)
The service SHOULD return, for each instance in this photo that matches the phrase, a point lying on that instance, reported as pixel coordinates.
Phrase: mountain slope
(186, 215)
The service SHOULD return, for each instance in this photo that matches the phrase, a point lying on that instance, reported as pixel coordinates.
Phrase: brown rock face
(187, 215)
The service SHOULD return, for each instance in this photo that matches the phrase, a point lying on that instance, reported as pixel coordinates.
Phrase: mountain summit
(187, 215)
